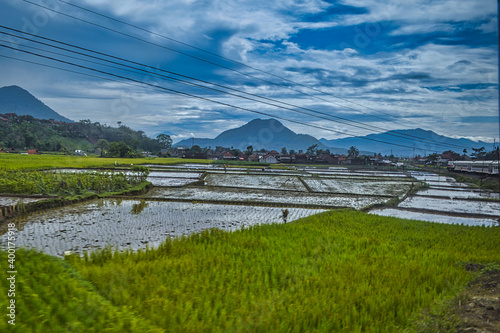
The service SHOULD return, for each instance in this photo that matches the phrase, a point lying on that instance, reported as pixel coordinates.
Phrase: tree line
(26, 132)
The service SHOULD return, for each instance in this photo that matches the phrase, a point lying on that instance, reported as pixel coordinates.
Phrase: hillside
(260, 133)
(27, 132)
(425, 142)
(14, 99)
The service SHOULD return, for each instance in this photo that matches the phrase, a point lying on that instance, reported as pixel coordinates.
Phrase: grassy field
(341, 271)
(37, 162)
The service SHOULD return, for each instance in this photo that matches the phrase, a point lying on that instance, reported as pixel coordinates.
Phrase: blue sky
(392, 64)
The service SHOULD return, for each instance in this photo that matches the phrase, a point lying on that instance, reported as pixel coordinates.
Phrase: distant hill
(260, 133)
(14, 99)
(26, 132)
(424, 141)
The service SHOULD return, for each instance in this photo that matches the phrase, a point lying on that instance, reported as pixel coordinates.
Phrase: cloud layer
(384, 64)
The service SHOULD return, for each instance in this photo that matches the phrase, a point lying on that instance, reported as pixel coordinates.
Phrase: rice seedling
(337, 271)
(57, 183)
(341, 271)
(131, 224)
(52, 297)
(46, 161)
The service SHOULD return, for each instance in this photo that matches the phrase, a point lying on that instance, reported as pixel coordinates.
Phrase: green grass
(341, 271)
(37, 162)
(52, 297)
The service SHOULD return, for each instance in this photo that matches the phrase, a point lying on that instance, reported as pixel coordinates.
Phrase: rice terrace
(293, 166)
(172, 245)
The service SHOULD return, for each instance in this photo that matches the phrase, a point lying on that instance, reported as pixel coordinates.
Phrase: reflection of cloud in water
(404, 214)
(136, 224)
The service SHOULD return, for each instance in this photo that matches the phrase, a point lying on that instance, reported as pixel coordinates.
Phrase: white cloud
(257, 33)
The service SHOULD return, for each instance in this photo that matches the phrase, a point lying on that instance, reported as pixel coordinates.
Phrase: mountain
(14, 99)
(425, 142)
(260, 133)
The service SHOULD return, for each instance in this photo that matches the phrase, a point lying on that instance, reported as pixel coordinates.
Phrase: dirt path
(476, 309)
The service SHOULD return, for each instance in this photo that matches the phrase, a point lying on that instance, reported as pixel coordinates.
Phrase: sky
(345, 67)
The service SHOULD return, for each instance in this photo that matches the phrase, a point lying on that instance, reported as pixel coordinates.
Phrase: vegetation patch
(40, 162)
(51, 296)
(475, 309)
(333, 272)
(56, 183)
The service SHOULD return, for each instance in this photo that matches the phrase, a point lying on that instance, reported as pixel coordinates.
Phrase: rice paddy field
(133, 224)
(37, 162)
(447, 201)
(263, 197)
(208, 249)
(338, 271)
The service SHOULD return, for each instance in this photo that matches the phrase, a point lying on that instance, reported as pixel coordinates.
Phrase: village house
(174, 152)
(256, 157)
(285, 158)
(301, 158)
(243, 157)
(443, 159)
(325, 159)
(269, 158)
(228, 156)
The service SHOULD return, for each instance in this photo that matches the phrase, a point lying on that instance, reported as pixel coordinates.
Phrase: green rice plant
(56, 183)
(51, 296)
(340, 271)
(46, 161)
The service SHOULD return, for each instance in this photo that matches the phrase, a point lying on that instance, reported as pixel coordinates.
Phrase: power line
(176, 92)
(322, 114)
(215, 64)
(223, 57)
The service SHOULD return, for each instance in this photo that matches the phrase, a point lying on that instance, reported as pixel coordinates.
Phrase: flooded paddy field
(481, 207)
(439, 218)
(346, 172)
(462, 193)
(134, 224)
(359, 186)
(171, 182)
(12, 200)
(261, 196)
(191, 198)
(447, 201)
(270, 182)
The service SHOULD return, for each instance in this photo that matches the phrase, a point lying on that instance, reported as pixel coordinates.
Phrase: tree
(353, 152)
(493, 155)
(195, 149)
(250, 150)
(292, 152)
(433, 157)
(120, 149)
(312, 150)
(284, 151)
(478, 153)
(165, 140)
(449, 152)
(103, 145)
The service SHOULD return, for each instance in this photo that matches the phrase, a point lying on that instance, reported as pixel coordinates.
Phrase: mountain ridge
(14, 99)
(415, 141)
(259, 133)
(271, 134)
